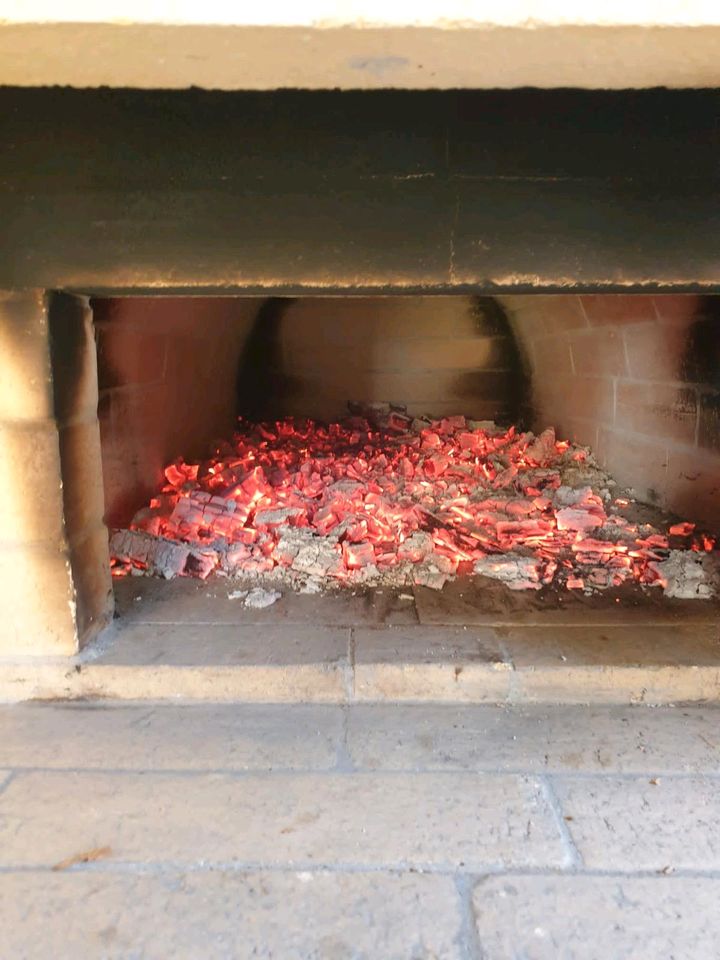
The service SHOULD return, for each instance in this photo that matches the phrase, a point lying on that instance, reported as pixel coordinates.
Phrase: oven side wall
(636, 378)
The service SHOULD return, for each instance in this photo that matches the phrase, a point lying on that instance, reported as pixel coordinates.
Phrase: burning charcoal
(431, 577)
(381, 497)
(419, 424)
(505, 477)
(445, 564)
(518, 572)
(436, 466)
(398, 421)
(687, 574)
(165, 558)
(274, 518)
(682, 529)
(543, 448)
(566, 496)
(485, 426)
(234, 557)
(417, 546)
(364, 575)
(571, 519)
(318, 559)
(180, 473)
(358, 555)
(201, 563)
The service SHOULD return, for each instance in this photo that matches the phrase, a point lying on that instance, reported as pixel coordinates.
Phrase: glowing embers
(398, 501)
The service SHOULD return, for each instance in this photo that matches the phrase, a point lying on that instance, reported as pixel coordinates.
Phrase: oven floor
(373, 832)
(188, 639)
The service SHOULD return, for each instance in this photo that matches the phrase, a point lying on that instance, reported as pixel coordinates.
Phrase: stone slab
(595, 918)
(363, 46)
(236, 645)
(535, 739)
(636, 645)
(452, 821)
(615, 684)
(150, 600)
(426, 663)
(643, 823)
(479, 601)
(279, 683)
(612, 664)
(216, 915)
(303, 663)
(169, 737)
(239, 663)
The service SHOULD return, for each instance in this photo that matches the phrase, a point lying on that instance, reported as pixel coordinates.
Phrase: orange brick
(659, 410)
(693, 486)
(635, 461)
(655, 350)
(599, 352)
(678, 307)
(586, 398)
(618, 309)
(551, 357)
(562, 312)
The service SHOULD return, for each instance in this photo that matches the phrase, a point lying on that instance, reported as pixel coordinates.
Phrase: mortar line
(469, 939)
(525, 773)
(575, 860)
(512, 687)
(343, 761)
(611, 618)
(472, 875)
(6, 781)
(351, 660)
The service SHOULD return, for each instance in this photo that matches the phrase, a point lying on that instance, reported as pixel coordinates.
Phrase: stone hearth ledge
(361, 44)
(303, 663)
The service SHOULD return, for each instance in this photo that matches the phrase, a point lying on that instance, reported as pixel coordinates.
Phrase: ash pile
(383, 498)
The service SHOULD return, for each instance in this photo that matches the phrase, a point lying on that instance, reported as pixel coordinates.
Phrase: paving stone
(209, 914)
(153, 737)
(534, 739)
(597, 918)
(453, 820)
(429, 663)
(642, 823)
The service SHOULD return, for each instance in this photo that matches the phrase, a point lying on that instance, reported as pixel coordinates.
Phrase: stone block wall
(636, 377)
(55, 591)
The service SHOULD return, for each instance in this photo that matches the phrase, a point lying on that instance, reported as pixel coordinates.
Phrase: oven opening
(524, 452)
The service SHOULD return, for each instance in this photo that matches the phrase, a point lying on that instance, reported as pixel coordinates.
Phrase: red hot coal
(391, 499)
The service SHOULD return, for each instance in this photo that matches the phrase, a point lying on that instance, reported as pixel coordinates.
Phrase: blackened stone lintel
(385, 191)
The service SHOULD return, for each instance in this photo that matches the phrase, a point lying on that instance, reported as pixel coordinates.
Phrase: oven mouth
(483, 439)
